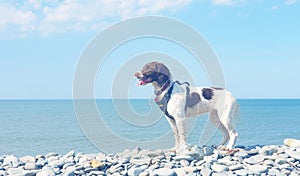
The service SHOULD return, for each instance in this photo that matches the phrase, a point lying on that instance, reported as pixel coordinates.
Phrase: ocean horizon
(31, 127)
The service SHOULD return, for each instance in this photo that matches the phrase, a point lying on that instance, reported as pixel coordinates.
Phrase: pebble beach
(206, 161)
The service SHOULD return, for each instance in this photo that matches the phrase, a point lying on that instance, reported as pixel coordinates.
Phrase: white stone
(183, 157)
(292, 142)
(219, 168)
(205, 172)
(145, 173)
(11, 160)
(52, 154)
(28, 159)
(184, 162)
(164, 172)
(273, 171)
(30, 166)
(241, 172)
(258, 169)
(241, 154)
(236, 167)
(15, 171)
(268, 150)
(135, 170)
(293, 154)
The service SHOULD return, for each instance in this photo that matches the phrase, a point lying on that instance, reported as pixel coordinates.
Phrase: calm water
(30, 127)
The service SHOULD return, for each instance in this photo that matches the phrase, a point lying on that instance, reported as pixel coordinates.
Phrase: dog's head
(153, 72)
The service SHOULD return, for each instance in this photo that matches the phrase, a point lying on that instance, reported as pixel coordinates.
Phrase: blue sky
(257, 42)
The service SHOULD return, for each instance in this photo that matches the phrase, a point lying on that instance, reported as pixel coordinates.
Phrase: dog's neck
(158, 90)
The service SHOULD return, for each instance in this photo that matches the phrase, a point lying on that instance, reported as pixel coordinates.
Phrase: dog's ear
(163, 74)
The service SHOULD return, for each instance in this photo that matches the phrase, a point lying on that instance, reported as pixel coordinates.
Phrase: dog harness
(163, 103)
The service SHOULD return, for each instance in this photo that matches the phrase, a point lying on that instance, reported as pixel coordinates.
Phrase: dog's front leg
(175, 132)
(182, 126)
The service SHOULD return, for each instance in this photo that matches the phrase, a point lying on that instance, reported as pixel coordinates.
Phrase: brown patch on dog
(193, 99)
(207, 93)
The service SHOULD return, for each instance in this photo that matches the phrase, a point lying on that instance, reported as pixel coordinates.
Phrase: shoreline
(207, 160)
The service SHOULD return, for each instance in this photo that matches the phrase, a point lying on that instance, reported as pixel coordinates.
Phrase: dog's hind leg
(227, 120)
(214, 118)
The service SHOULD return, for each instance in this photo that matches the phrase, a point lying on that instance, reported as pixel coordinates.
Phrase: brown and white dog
(180, 101)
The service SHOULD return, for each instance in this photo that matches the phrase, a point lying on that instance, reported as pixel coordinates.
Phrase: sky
(257, 43)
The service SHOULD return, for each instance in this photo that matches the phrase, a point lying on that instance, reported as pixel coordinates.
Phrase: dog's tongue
(141, 83)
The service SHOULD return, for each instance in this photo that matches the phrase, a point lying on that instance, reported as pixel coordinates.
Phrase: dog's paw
(226, 151)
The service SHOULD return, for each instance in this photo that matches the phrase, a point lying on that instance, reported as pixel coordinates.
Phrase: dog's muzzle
(143, 80)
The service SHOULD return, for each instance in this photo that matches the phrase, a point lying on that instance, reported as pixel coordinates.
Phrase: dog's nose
(138, 75)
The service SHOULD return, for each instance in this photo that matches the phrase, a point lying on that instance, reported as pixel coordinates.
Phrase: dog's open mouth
(144, 81)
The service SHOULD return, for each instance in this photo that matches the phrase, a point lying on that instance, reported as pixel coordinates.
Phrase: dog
(180, 101)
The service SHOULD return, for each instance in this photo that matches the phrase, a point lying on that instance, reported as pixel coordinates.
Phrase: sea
(32, 127)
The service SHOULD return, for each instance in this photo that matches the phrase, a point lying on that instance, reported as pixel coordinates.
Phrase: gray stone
(219, 168)
(183, 157)
(28, 159)
(11, 161)
(164, 172)
(205, 172)
(242, 154)
(293, 154)
(280, 161)
(252, 152)
(29, 172)
(135, 170)
(268, 150)
(153, 167)
(208, 151)
(69, 173)
(30, 166)
(258, 169)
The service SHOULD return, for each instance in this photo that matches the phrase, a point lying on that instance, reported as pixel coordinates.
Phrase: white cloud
(290, 2)
(223, 2)
(275, 7)
(51, 16)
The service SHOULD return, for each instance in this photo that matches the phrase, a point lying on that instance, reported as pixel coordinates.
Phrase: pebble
(219, 168)
(164, 172)
(30, 166)
(207, 161)
(205, 172)
(183, 157)
(293, 154)
(258, 169)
